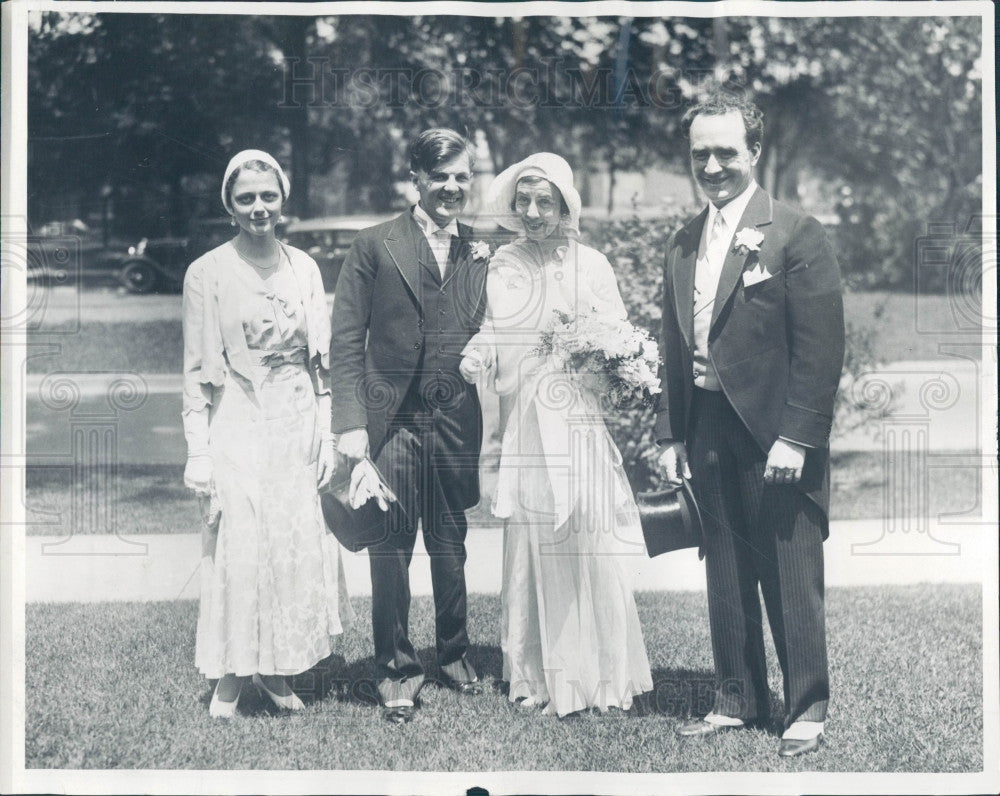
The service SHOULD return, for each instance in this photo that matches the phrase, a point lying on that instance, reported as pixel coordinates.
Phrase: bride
(570, 631)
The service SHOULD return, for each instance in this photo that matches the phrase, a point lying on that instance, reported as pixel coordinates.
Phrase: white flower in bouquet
(626, 356)
(650, 351)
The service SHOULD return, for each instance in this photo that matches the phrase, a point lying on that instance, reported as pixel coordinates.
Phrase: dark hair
(718, 102)
(253, 165)
(535, 179)
(435, 146)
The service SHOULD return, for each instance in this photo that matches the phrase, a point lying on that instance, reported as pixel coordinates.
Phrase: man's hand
(354, 444)
(674, 462)
(784, 463)
(325, 463)
(474, 364)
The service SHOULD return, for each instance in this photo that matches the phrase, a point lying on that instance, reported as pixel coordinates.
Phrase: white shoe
(220, 709)
(290, 702)
(803, 731)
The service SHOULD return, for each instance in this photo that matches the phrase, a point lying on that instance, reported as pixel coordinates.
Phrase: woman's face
(256, 201)
(538, 204)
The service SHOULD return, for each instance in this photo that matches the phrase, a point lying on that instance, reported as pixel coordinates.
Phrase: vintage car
(156, 264)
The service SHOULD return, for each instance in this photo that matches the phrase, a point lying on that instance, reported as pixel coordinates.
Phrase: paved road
(935, 405)
(58, 305)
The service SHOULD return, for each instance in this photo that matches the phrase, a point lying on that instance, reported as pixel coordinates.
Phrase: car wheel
(140, 276)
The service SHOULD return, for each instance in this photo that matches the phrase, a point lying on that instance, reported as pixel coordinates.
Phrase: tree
(887, 111)
(141, 102)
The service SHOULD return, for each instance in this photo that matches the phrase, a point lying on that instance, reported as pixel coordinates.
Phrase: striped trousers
(757, 535)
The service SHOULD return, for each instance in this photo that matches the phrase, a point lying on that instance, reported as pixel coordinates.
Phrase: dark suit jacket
(378, 323)
(778, 345)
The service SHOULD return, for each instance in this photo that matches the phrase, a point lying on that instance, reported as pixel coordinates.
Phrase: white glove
(198, 473)
(674, 462)
(325, 463)
(365, 485)
(475, 363)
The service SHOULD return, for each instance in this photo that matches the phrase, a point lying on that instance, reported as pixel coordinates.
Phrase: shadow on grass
(683, 694)
(335, 679)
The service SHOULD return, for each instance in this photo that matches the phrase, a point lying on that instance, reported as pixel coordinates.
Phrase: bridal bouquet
(625, 357)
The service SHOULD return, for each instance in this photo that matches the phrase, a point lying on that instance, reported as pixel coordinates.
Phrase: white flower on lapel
(756, 275)
(480, 250)
(748, 240)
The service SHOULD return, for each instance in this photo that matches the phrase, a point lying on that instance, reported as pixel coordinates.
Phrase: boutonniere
(480, 251)
(748, 240)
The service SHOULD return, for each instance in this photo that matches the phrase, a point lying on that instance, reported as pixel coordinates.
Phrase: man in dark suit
(409, 297)
(753, 346)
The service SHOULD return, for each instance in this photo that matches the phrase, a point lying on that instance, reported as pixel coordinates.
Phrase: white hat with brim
(244, 157)
(500, 194)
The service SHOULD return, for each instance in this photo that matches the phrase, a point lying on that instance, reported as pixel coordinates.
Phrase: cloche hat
(244, 157)
(500, 194)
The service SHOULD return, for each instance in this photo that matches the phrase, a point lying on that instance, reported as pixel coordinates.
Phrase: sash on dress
(575, 444)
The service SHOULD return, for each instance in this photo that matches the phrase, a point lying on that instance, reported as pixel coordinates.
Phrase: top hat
(670, 520)
(356, 528)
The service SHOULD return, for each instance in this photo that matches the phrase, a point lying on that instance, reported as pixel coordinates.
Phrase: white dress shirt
(438, 238)
(716, 239)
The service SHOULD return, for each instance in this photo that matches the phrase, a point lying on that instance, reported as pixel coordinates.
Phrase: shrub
(636, 247)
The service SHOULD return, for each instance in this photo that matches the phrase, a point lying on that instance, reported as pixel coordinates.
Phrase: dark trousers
(757, 535)
(415, 460)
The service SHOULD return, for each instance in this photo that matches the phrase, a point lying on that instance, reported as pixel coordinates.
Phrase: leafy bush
(636, 248)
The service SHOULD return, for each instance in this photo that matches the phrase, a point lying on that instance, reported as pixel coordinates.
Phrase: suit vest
(436, 382)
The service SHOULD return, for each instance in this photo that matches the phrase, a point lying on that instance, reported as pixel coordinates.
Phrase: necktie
(717, 240)
(442, 239)
(710, 266)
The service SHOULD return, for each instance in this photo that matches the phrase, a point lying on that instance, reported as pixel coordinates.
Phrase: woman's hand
(198, 474)
(326, 463)
(211, 511)
(474, 364)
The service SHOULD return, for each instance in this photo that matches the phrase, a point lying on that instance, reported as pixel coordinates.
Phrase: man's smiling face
(721, 161)
(444, 190)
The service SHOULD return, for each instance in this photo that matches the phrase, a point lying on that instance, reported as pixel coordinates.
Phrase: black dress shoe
(792, 747)
(699, 728)
(401, 714)
(470, 688)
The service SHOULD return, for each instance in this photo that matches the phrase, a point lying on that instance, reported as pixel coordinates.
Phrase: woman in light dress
(256, 417)
(570, 631)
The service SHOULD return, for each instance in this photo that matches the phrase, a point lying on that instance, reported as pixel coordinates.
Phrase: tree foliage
(882, 113)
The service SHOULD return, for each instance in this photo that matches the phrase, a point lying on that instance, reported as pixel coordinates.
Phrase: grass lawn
(104, 345)
(114, 686)
(905, 327)
(926, 327)
(152, 498)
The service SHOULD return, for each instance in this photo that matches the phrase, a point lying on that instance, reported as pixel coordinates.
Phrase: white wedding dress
(570, 631)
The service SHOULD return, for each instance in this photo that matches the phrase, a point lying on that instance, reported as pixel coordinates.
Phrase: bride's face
(538, 204)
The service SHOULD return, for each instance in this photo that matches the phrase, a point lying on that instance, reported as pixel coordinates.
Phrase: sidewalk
(165, 566)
